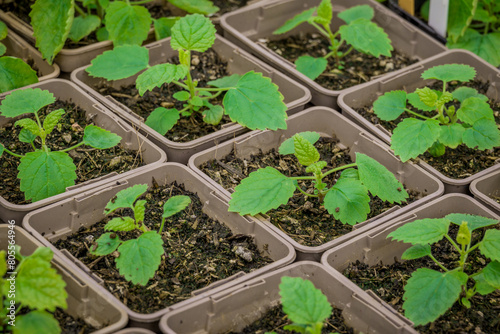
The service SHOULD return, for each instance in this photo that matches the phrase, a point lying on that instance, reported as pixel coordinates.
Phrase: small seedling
(430, 293)
(473, 124)
(138, 258)
(359, 32)
(29, 292)
(347, 200)
(43, 172)
(250, 99)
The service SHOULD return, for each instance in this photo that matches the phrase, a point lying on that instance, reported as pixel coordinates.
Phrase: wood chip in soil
(358, 67)
(458, 163)
(387, 281)
(91, 163)
(207, 66)
(302, 218)
(198, 251)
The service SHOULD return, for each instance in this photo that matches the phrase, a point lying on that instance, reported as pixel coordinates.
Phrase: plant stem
(452, 242)
(437, 262)
(141, 2)
(347, 52)
(339, 168)
(80, 11)
(12, 153)
(320, 29)
(416, 114)
(208, 89)
(72, 147)
(161, 226)
(302, 191)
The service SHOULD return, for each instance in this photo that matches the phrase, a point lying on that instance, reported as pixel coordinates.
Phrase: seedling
(29, 292)
(430, 293)
(43, 172)
(138, 258)
(359, 32)
(473, 124)
(305, 305)
(347, 200)
(250, 99)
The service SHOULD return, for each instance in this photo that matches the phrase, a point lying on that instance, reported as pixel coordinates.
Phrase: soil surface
(456, 163)
(387, 281)
(198, 251)
(70, 325)
(275, 319)
(91, 163)
(302, 218)
(358, 67)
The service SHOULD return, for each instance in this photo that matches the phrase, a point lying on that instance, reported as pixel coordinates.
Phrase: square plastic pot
(240, 306)
(329, 123)
(68, 91)
(270, 15)
(373, 247)
(84, 299)
(239, 62)
(409, 80)
(86, 210)
(483, 188)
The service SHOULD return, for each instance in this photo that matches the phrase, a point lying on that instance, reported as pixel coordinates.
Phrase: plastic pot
(328, 123)
(84, 299)
(68, 91)
(86, 210)
(409, 80)
(240, 62)
(485, 187)
(270, 15)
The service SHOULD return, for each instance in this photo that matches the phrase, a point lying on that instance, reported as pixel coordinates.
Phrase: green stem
(72, 147)
(321, 30)
(437, 262)
(486, 28)
(80, 10)
(141, 2)
(302, 178)
(180, 84)
(416, 114)
(161, 226)
(339, 168)
(347, 52)
(302, 191)
(328, 55)
(42, 132)
(452, 242)
(12, 153)
(208, 89)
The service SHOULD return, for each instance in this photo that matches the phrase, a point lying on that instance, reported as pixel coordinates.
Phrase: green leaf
(125, 198)
(437, 149)
(256, 103)
(157, 75)
(161, 119)
(416, 251)
(485, 46)
(460, 14)
(29, 124)
(97, 137)
(104, 3)
(295, 21)
(483, 135)
(473, 109)
(427, 96)
(357, 12)
(213, 114)
(374, 43)
(463, 93)
(102, 34)
(261, 191)
(422, 231)
(15, 73)
(25, 101)
(3, 30)
(305, 152)
(435, 291)
(3, 49)
(204, 7)
(181, 96)
(482, 286)
(51, 27)
(287, 147)
(413, 137)
(3, 264)
(82, 26)
(119, 63)
(127, 24)
(415, 101)
(390, 105)
(316, 167)
(36, 322)
(175, 204)
(44, 174)
(163, 26)
(450, 72)
(140, 258)
(226, 82)
(451, 135)
(473, 222)
(193, 32)
(349, 173)
(2, 148)
(25, 136)
(491, 274)
(51, 120)
(106, 245)
(379, 181)
(120, 224)
(311, 67)
(140, 211)
(490, 245)
(324, 12)
(351, 198)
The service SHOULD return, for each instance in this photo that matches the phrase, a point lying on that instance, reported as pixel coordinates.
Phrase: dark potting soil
(198, 251)
(387, 281)
(91, 163)
(207, 66)
(275, 319)
(358, 67)
(226, 6)
(303, 219)
(71, 325)
(456, 163)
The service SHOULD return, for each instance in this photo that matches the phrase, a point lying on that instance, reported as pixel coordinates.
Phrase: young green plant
(347, 200)
(359, 32)
(437, 123)
(44, 172)
(30, 290)
(138, 258)
(250, 99)
(430, 293)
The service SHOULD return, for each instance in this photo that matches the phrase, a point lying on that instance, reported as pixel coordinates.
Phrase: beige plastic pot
(486, 189)
(328, 123)
(270, 15)
(409, 80)
(84, 299)
(86, 210)
(240, 62)
(68, 91)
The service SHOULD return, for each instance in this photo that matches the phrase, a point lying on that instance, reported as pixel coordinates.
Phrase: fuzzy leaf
(491, 274)
(305, 152)
(163, 26)
(97, 137)
(422, 231)
(463, 93)
(295, 21)
(25, 101)
(36, 322)
(483, 135)
(367, 37)
(427, 96)
(213, 114)
(29, 124)
(324, 13)
(490, 245)
(351, 198)
(182, 96)
(311, 67)
(51, 120)
(226, 82)
(349, 173)
(126, 24)
(120, 224)
(175, 204)
(3, 30)
(413, 137)
(473, 222)
(193, 32)
(140, 211)
(261, 191)
(416, 251)
(106, 245)
(287, 147)
(390, 105)
(473, 109)
(82, 26)
(205, 7)
(485, 46)
(161, 119)
(357, 12)
(450, 72)
(15, 73)
(119, 63)
(415, 101)
(125, 198)
(451, 135)
(157, 75)
(3, 49)
(316, 167)
(482, 286)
